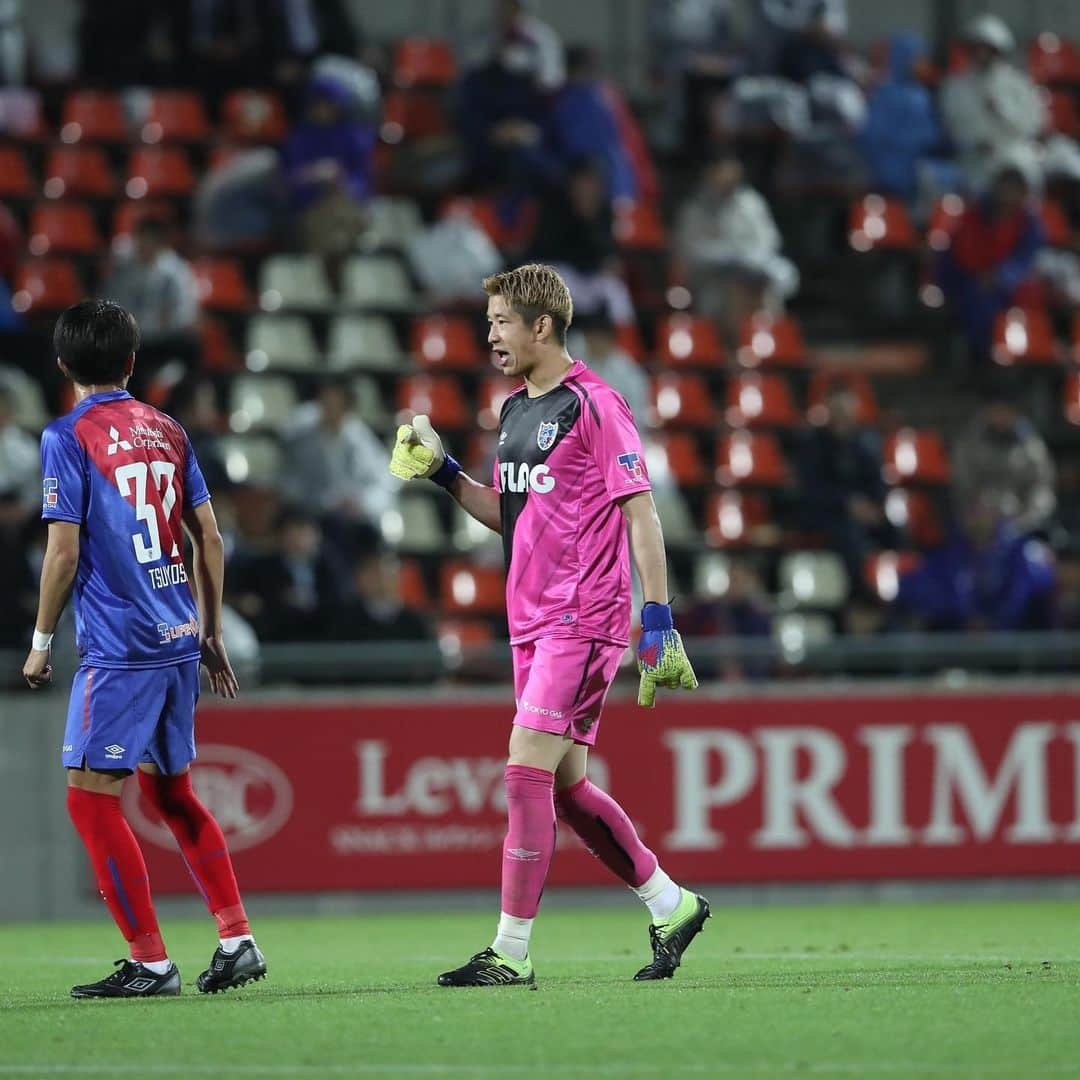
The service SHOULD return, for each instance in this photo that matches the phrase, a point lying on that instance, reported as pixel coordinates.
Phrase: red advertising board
(409, 795)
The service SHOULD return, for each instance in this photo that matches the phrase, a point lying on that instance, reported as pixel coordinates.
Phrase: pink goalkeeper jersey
(565, 459)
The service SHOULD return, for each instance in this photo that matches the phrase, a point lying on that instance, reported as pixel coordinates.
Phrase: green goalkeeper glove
(662, 660)
(418, 453)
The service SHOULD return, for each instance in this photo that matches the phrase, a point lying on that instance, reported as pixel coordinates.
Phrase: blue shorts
(119, 717)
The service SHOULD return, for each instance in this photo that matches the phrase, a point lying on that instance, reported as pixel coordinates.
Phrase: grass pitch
(947, 990)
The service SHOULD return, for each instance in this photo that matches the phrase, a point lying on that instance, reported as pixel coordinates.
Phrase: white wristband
(42, 641)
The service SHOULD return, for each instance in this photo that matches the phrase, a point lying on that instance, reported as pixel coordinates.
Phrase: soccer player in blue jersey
(121, 485)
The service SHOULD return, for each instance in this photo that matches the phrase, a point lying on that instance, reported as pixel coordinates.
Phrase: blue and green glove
(662, 660)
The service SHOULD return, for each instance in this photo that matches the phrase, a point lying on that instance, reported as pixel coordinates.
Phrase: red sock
(202, 845)
(530, 839)
(119, 869)
(606, 830)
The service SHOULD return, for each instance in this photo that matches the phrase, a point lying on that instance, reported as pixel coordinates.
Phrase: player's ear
(129, 366)
(543, 328)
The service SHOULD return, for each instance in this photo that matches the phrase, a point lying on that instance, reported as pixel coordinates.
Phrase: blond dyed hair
(533, 290)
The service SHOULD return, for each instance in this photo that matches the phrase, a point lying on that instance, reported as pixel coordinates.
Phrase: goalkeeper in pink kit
(570, 485)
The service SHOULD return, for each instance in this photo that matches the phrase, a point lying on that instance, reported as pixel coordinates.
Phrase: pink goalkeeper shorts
(560, 685)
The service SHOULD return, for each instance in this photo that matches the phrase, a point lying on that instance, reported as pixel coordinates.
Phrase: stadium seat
(175, 116)
(712, 575)
(154, 172)
(439, 396)
(446, 342)
(468, 534)
(768, 340)
(221, 284)
(364, 342)
(62, 228)
(883, 570)
(680, 529)
(370, 403)
(914, 456)
(16, 182)
(944, 221)
(797, 631)
(1062, 115)
(467, 589)
(294, 282)
(412, 114)
(216, 346)
(93, 116)
(493, 391)
(507, 231)
(424, 62)
(255, 460)
(689, 341)
(261, 401)
(750, 459)
(280, 341)
(755, 400)
(21, 114)
(640, 228)
(253, 116)
(681, 400)
(414, 525)
(1053, 59)
(392, 222)
(414, 590)
(30, 407)
(812, 579)
(877, 223)
(457, 634)
(46, 285)
(915, 513)
(376, 281)
(129, 212)
(1024, 337)
(628, 338)
(817, 411)
(736, 519)
(82, 171)
(674, 456)
(1055, 223)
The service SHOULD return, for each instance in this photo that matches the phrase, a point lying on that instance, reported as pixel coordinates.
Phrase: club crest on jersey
(547, 434)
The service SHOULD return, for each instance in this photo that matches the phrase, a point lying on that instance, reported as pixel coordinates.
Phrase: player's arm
(647, 546)
(58, 570)
(419, 453)
(208, 577)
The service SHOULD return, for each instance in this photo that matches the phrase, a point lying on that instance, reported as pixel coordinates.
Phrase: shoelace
(659, 945)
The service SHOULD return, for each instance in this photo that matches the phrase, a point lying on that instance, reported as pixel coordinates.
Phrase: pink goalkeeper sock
(530, 839)
(606, 831)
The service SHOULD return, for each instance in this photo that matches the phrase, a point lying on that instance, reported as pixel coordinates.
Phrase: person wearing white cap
(992, 108)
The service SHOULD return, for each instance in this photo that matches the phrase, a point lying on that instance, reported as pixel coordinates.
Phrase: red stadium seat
(221, 285)
(412, 114)
(414, 590)
(628, 338)
(944, 221)
(750, 459)
(689, 341)
(471, 590)
(914, 512)
(677, 454)
(82, 171)
(878, 223)
(63, 228)
(817, 411)
(1052, 59)
(505, 234)
(1024, 337)
(15, 179)
(755, 400)
(492, 393)
(175, 116)
(680, 400)
(254, 116)
(767, 340)
(445, 342)
(1062, 114)
(159, 171)
(130, 212)
(1056, 224)
(438, 396)
(1070, 398)
(736, 519)
(46, 285)
(455, 634)
(93, 116)
(883, 571)
(424, 62)
(914, 456)
(216, 346)
(640, 228)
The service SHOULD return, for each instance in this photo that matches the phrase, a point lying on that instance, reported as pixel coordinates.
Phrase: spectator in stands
(158, 287)
(374, 610)
(328, 161)
(993, 108)
(992, 254)
(841, 493)
(523, 43)
(576, 234)
(585, 125)
(1000, 459)
(729, 246)
(337, 468)
(902, 126)
(599, 350)
(779, 25)
(194, 403)
(294, 32)
(986, 577)
(20, 472)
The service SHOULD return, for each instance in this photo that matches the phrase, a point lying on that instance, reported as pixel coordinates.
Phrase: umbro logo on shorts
(523, 854)
(117, 443)
(114, 751)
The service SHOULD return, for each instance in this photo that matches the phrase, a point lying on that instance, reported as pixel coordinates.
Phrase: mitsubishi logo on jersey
(117, 443)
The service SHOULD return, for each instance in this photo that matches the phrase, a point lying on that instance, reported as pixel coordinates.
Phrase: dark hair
(153, 226)
(94, 339)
